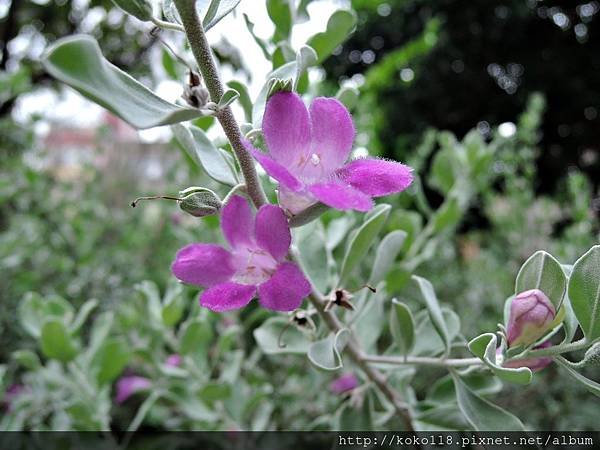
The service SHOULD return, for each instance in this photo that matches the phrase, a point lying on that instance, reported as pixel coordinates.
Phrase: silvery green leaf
(56, 342)
(363, 239)
(201, 149)
(212, 11)
(339, 26)
(230, 96)
(481, 414)
(433, 306)
(78, 62)
(484, 347)
(348, 96)
(542, 271)
(387, 251)
(280, 13)
(194, 337)
(402, 327)
(314, 255)
(82, 314)
(369, 319)
(140, 9)
(276, 335)
(482, 383)
(352, 417)
(429, 342)
(244, 98)
(590, 385)
(287, 71)
(325, 353)
(584, 292)
(305, 58)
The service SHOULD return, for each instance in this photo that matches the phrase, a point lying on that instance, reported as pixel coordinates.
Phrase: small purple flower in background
(344, 383)
(308, 152)
(531, 314)
(535, 364)
(255, 264)
(173, 360)
(11, 394)
(129, 385)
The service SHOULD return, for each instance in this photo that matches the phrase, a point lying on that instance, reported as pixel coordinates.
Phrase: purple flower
(11, 394)
(535, 364)
(129, 385)
(344, 383)
(308, 152)
(531, 315)
(255, 265)
(173, 360)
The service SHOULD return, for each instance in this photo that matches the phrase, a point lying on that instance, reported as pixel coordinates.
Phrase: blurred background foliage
(495, 104)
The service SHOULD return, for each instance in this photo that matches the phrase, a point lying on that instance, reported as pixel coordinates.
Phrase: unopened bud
(194, 93)
(531, 316)
(199, 202)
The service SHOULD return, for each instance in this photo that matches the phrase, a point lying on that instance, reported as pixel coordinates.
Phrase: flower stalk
(202, 52)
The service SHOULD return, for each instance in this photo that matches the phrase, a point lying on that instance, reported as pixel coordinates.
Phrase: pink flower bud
(344, 383)
(531, 315)
(535, 364)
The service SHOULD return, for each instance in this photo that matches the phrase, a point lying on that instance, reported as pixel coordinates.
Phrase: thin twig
(423, 361)
(203, 54)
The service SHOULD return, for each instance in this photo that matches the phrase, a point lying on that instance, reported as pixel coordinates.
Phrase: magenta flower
(255, 264)
(308, 152)
(344, 383)
(535, 364)
(531, 315)
(129, 385)
(173, 360)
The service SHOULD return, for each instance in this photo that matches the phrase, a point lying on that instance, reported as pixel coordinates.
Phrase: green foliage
(78, 62)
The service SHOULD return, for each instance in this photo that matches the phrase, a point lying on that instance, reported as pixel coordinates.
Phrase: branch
(202, 52)
(355, 352)
(423, 361)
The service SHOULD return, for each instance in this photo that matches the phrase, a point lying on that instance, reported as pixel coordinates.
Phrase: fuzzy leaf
(542, 271)
(276, 335)
(325, 354)
(78, 62)
(435, 312)
(481, 414)
(584, 292)
(402, 327)
(363, 239)
(339, 26)
(201, 149)
(484, 347)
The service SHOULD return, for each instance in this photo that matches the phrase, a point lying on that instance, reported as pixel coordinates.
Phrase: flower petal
(272, 231)
(227, 296)
(377, 177)
(339, 195)
(333, 132)
(285, 290)
(286, 126)
(203, 264)
(275, 170)
(237, 222)
(129, 385)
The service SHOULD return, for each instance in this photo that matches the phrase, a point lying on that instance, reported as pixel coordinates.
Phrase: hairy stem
(424, 361)
(203, 54)
(552, 351)
(360, 359)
